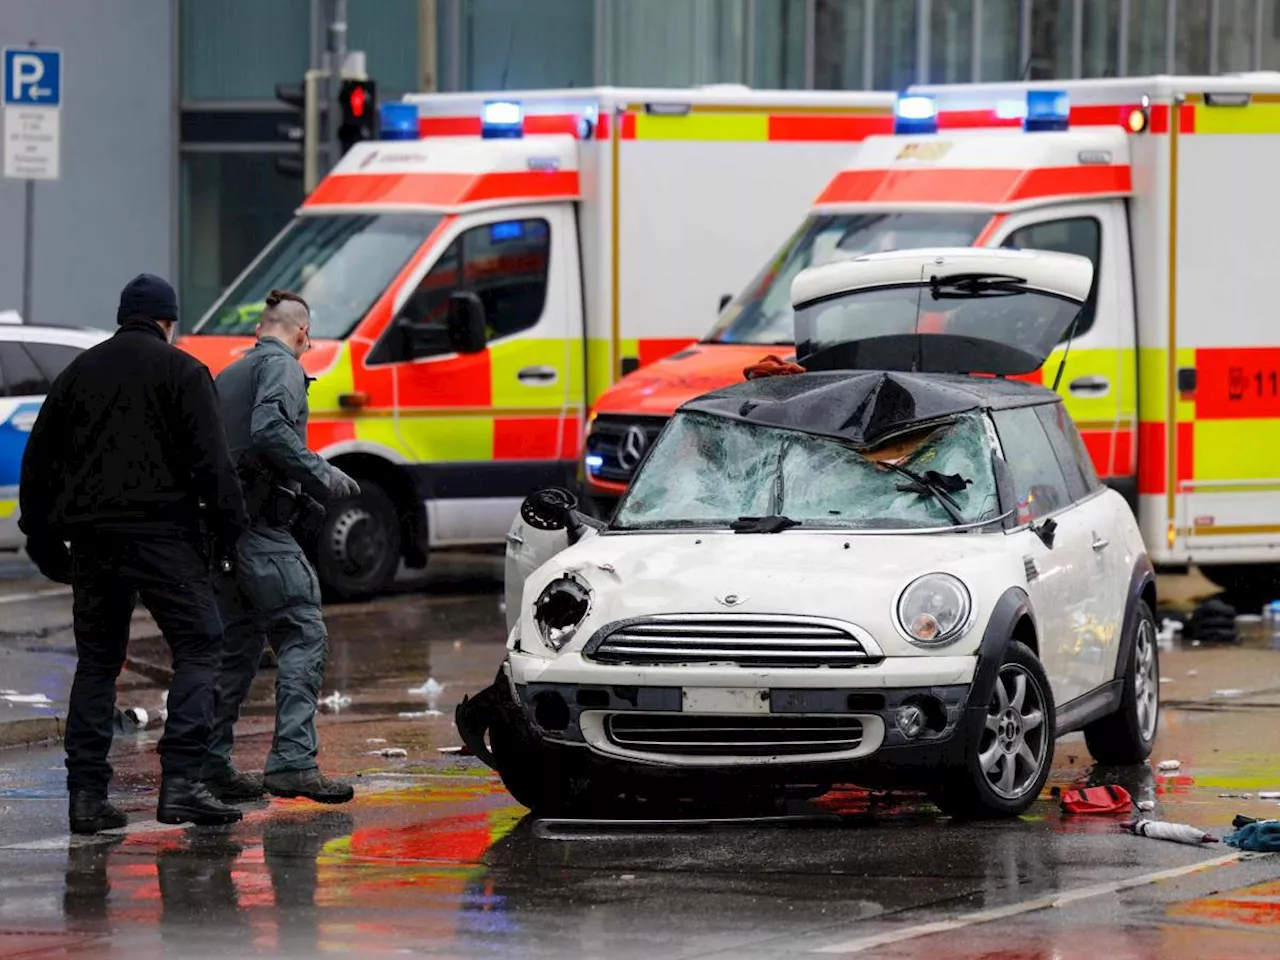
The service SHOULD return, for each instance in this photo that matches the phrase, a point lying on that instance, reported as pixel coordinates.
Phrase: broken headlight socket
(934, 610)
(561, 608)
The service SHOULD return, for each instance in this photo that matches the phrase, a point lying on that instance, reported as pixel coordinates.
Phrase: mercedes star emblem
(631, 449)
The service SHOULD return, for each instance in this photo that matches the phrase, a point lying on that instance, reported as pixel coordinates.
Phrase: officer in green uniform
(271, 592)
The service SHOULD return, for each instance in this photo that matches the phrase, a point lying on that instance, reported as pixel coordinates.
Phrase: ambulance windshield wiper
(962, 286)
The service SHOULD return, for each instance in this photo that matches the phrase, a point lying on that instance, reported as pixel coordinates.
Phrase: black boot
(236, 787)
(90, 812)
(311, 784)
(189, 801)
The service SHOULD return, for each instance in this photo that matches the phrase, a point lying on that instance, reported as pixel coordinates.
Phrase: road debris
(1269, 795)
(33, 699)
(1104, 799)
(1146, 806)
(336, 701)
(1168, 765)
(376, 740)
(1175, 832)
(1260, 836)
(1193, 673)
(390, 753)
(1232, 692)
(419, 714)
(431, 690)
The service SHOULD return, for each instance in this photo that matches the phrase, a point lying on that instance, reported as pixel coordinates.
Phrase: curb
(19, 733)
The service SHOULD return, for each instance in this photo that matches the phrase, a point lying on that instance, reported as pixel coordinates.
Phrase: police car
(897, 568)
(31, 356)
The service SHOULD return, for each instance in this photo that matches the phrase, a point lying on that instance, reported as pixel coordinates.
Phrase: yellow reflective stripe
(8, 508)
(599, 368)
(448, 439)
(703, 126)
(379, 428)
(1262, 115)
(1152, 383)
(508, 357)
(323, 395)
(1088, 363)
(1236, 450)
(1243, 530)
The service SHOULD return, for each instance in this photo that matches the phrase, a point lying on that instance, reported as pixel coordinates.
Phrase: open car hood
(999, 312)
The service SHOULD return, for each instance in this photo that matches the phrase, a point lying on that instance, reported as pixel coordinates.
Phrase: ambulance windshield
(762, 313)
(340, 264)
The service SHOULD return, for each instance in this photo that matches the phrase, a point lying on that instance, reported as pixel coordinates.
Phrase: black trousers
(111, 571)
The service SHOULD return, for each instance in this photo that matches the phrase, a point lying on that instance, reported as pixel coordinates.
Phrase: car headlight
(934, 610)
(561, 608)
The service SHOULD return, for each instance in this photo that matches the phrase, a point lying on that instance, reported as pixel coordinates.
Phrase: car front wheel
(1008, 759)
(358, 547)
(1128, 735)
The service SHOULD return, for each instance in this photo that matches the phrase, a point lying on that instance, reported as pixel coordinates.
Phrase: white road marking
(1050, 901)
(36, 595)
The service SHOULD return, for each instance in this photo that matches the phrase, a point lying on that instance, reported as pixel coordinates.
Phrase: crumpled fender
(474, 716)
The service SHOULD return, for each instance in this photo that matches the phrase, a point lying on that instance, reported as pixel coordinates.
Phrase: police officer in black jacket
(128, 461)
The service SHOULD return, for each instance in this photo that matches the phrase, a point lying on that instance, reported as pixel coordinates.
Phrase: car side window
(1078, 235)
(52, 358)
(504, 263)
(1056, 422)
(1070, 445)
(1040, 487)
(22, 377)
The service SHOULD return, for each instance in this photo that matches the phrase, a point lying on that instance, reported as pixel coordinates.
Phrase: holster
(310, 518)
(267, 500)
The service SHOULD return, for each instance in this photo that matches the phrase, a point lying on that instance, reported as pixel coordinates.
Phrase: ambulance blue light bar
(502, 120)
(1047, 110)
(399, 120)
(915, 113)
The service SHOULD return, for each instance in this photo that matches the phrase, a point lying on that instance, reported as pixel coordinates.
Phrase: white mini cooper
(897, 568)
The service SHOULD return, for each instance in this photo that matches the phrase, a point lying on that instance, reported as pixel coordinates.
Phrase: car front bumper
(683, 718)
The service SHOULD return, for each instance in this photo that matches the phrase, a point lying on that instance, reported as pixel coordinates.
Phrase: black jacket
(130, 438)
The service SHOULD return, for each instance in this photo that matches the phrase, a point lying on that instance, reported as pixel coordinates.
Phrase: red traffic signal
(358, 112)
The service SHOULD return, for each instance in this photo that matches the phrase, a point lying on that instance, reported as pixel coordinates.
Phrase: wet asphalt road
(433, 858)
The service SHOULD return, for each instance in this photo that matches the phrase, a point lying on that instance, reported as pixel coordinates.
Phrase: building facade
(171, 127)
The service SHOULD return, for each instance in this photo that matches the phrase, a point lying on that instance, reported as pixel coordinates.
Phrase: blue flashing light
(1047, 110)
(915, 113)
(506, 230)
(502, 119)
(399, 120)
(594, 461)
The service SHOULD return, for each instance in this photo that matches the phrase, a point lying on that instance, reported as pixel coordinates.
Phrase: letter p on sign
(32, 77)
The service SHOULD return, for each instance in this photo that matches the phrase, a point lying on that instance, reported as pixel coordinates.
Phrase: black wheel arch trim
(1013, 606)
(1142, 577)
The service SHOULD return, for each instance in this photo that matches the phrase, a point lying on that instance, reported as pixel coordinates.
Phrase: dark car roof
(864, 407)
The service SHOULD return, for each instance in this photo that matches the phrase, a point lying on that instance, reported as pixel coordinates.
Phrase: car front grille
(761, 735)
(620, 443)
(742, 639)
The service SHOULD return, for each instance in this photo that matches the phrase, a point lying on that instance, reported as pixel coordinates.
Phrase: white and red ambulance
(480, 275)
(1171, 186)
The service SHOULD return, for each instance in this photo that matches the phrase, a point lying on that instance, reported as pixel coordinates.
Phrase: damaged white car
(897, 568)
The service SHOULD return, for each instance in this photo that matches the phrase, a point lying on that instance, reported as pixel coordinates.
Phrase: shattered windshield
(708, 471)
(340, 264)
(762, 313)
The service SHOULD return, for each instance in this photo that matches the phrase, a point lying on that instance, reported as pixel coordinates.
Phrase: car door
(1061, 577)
(488, 428)
(1099, 382)
(23, 386)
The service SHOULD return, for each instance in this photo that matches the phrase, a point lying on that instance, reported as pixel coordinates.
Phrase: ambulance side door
(487, 428)
(1099, 383)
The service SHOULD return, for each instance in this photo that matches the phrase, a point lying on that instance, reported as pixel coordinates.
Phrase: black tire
(1246, 584)
(357, 551)
(1128, 735)
(968, 792)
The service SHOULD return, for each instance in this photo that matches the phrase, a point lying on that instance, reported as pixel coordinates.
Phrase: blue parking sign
(32, 77)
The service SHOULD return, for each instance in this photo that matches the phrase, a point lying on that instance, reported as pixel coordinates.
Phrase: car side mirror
(1046, 532)
(465, 323)
(724, 301)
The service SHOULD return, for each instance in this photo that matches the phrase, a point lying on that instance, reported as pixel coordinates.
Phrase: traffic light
(303, 128)
(357, 112)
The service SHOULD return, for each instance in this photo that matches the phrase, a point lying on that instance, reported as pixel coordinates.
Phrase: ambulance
(479, 275)
(1169, 185)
